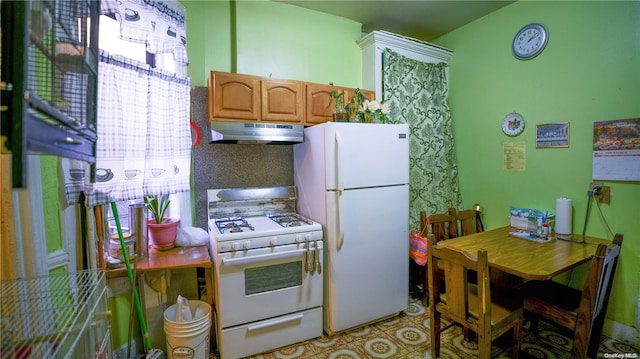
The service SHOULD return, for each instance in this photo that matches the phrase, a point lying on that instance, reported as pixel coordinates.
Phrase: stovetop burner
(233, 224)
(289, 219)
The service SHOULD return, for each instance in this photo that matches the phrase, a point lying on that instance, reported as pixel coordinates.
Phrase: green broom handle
(125, 253)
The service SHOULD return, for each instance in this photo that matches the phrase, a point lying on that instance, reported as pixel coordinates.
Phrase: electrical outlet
(595, 188)
(605, 195)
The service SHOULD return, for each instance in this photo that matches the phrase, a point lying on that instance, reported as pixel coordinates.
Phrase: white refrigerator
(354, 180)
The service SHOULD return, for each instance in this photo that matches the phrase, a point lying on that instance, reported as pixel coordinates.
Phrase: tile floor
(406, 336)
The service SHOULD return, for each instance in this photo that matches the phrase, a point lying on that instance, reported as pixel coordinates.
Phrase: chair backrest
(470, 310)
(454, 223)
(470, 220)
(597, 286)
(595, 298)
(443, 225)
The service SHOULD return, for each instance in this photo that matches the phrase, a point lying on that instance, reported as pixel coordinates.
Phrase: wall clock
(530, 41)
(513, 124)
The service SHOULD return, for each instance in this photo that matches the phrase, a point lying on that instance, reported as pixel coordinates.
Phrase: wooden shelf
(174, 258)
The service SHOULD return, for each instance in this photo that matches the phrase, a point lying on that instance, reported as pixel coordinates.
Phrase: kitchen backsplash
(218, 165)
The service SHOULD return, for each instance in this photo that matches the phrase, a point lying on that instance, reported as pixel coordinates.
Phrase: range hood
(255, 133)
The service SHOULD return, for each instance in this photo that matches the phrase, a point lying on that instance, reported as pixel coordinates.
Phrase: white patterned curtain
(160, 25)
(417, 93)
(144, 137)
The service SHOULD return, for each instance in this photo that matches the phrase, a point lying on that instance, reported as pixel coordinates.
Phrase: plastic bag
(183, 311)
(201, 310)
(418, 245)
(192, 237)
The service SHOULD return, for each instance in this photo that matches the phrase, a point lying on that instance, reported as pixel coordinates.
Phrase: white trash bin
(190, 339)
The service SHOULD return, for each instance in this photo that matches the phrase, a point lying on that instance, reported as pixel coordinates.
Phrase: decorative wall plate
(513, 124)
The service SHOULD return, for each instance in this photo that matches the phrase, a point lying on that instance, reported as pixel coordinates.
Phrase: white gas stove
(268, 230)
(268, 263)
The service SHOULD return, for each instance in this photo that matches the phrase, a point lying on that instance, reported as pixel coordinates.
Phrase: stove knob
(234, 246)
(298, 239)
(246, 245)
(273, 242)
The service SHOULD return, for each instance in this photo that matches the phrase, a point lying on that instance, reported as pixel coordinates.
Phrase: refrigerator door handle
(338, 169)
(339, 189)
(339, 222)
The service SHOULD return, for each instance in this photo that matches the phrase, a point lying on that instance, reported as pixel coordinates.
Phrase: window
(110, 41)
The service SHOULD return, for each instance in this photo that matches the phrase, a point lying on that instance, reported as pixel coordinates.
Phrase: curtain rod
(141, 67)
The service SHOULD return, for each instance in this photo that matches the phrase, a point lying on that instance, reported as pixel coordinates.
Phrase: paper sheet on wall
(616, 150)
(513, 156)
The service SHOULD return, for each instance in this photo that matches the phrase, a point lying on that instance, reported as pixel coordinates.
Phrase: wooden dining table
(525, 258)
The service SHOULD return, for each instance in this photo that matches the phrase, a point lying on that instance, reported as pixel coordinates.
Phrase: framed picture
(552, 135)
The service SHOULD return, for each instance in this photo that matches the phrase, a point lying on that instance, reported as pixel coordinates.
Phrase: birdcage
(49, 79)
(61, 315)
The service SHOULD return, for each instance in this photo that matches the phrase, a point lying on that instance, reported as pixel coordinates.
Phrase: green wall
(284, 41)
(51, 202)
(589, 71)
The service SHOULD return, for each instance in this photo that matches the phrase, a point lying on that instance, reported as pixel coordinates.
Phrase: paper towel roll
(563, 215)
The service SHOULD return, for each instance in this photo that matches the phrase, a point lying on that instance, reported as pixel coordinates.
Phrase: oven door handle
(262, 257)
(270, 323)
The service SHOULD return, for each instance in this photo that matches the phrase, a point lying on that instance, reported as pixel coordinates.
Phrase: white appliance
(353, 179)
(268, 265)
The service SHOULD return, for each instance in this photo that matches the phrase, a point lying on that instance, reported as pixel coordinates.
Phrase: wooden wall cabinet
(283, 101)
(234, 96)
(239, 97)
(319, 103)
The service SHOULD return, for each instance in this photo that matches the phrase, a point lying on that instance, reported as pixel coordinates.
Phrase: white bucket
(187, 340)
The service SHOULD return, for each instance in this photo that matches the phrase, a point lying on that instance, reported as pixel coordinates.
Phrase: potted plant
(371, 110)
(339, 112)
(162, 231)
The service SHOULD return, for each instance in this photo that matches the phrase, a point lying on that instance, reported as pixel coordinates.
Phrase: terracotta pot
(163, 235)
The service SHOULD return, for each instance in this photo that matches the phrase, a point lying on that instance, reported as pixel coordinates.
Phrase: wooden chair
(471, 306)
(442, 226)
(450, 225)
(470, 220)
(454, 223)
(581, 311)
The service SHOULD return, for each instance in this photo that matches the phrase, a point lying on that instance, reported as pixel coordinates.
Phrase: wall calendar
(616, 150)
